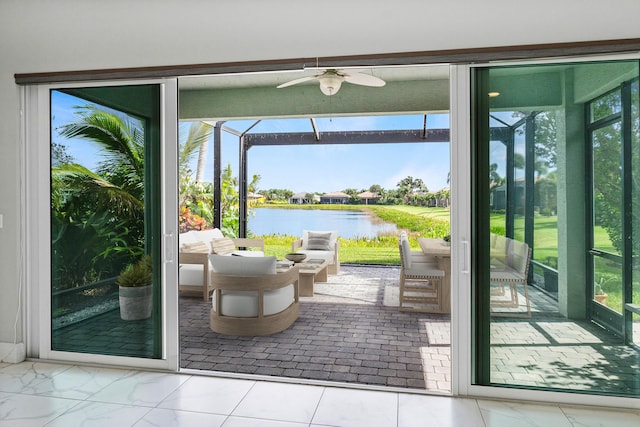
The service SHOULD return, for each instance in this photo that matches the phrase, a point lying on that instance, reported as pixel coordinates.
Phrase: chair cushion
(245, 303)
(197, 247)
(406, 252)
(424, 270)
(319, 241)
(222, 246)
(332, 238)
(245, 266)
(191, 274)
(207, 235)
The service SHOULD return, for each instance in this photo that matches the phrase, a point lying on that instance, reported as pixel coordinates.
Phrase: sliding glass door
(112, 218)
(554, 222)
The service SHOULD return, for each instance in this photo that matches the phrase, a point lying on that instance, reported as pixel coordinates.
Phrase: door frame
(36, 228)
(463, 333)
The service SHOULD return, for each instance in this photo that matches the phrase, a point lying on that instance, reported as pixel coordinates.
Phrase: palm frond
(199, 133)
(118, 136)
(80, 181)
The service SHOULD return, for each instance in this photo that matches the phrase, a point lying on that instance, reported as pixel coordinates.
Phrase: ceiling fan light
(330, 85)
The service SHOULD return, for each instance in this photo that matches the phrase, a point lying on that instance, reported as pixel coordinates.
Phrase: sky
(318, 168)
(328, 168)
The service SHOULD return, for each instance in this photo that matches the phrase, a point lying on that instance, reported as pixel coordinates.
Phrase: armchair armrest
(199, 258)
(194, 258)
(297, 244)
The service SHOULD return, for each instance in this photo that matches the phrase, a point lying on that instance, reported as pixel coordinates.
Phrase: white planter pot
(136, 302)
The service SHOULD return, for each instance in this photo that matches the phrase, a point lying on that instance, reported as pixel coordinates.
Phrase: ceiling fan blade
(296, 81)
(363, 79)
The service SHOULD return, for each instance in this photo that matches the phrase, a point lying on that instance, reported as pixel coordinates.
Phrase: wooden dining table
(442, 252)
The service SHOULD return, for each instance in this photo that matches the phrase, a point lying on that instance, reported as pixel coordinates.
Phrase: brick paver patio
(344, 333)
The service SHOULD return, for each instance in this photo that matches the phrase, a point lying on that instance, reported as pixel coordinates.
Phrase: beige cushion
(222, 246)
(406, 252)
(245, 303)
(332, 239)
(198, 247)
(319, 241)
(243, 266)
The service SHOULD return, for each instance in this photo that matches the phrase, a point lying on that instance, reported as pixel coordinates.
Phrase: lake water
(350, 224)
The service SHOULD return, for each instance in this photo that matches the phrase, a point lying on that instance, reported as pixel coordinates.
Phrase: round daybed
(250, 298)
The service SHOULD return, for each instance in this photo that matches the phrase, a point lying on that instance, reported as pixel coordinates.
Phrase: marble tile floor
(35, 393)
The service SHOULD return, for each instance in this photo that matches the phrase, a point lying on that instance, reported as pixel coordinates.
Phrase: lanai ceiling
(408, 90)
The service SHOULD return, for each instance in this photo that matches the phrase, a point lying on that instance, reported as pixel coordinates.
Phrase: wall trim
(448, 56)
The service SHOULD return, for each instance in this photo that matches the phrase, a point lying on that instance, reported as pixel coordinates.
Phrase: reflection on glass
(607, 188)
(100, 232)
(607, 283)
(557, 143)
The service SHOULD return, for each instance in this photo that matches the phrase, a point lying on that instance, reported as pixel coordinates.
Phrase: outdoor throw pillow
(319, 241)
(244, 266)
(198, 247)
(222, 246)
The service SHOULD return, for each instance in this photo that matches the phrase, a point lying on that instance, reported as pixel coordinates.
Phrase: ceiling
(408, 90)
(274, 78)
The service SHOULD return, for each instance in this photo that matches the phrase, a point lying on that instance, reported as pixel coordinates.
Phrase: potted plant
(599, 295)
(135, 290)
(447, 240)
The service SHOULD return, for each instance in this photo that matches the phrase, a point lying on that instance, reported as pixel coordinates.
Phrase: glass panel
(519, 188)
(546, 202)
(607, 283)
(606, 105)
(607, 188)
(532, 317)
(498, 186)
(634, 336)
(105, 217)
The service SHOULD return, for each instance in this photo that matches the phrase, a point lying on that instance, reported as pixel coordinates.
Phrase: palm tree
(197, 140)
(104, 206)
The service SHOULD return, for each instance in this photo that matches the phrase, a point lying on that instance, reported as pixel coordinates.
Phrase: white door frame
(36, 228)
(461, 319)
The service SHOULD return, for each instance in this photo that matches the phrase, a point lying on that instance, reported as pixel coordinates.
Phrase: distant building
(303, 198)
(335, 198)
(253, 198)
(368, 198)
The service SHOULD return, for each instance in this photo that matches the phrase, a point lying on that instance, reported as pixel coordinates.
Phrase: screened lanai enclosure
(558, 167)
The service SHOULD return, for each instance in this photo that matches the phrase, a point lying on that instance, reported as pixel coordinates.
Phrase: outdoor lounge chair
(320, 244)
(420, 282)
(250, 298)
(195, 247)
(510, 260)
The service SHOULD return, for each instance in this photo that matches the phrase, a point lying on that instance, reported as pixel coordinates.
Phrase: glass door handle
(168, 248)
(465, 257)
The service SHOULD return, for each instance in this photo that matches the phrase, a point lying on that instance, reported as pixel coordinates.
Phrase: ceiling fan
(331, 79)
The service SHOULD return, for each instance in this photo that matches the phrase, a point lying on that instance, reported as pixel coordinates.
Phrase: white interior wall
(41, 35)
